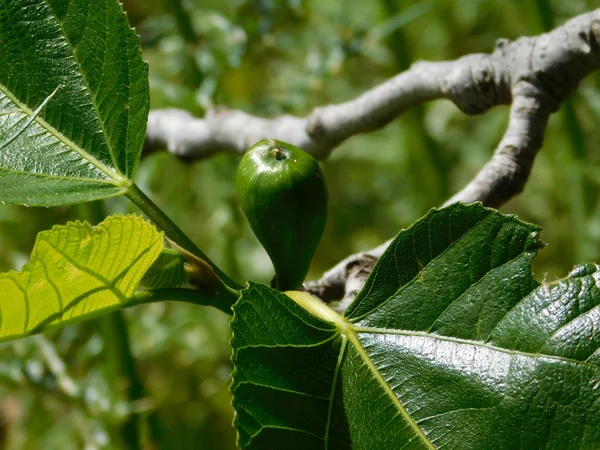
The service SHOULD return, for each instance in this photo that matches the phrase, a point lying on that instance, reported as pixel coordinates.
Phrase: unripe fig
(282, 191)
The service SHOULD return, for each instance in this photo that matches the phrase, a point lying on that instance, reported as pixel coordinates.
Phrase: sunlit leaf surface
(77, 271)
(451, 344)
(85, 142)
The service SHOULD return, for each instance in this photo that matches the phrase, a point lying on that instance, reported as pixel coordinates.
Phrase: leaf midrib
(117, 179)
(480, 344)
(89, 91)
(348, 330)
(58, 177)
(333, 385)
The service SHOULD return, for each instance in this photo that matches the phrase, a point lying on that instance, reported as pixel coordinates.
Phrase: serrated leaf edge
(47, 323)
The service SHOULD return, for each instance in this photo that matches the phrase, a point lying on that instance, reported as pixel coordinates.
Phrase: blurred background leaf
(166, 366)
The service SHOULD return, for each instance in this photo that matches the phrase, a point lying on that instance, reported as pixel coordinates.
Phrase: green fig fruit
(282, 191)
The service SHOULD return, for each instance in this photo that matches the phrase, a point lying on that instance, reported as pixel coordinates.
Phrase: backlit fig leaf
(73, 101)
(76, 272)
(167, 271)
(450, 344)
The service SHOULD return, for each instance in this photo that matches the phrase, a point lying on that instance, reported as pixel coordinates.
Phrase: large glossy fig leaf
(77, 271)
(85, 141)
(451, 344)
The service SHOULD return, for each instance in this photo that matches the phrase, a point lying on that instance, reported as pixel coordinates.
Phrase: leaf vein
(90, 272)
(90, 93)
(482, 344)
(464, 236)
(387, 389)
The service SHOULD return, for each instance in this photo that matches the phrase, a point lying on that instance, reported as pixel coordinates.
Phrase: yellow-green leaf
(77, 271)
(167, 271)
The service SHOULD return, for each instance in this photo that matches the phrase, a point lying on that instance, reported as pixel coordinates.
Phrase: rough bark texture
(532, 74)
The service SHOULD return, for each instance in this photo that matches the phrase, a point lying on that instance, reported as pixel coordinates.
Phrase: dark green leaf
(451, 344)
(86, 141)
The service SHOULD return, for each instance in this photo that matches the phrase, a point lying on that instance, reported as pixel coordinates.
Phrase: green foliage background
(268, 58)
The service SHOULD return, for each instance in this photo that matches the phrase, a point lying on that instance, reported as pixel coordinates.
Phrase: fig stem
(172, 231)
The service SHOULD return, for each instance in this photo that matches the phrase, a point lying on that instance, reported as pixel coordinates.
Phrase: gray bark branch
(532, 74)
(543, 71)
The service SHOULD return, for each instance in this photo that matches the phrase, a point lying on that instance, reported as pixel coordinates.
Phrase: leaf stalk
(173, 232)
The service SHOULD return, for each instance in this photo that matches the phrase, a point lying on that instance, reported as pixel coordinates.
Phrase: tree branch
(543, 71)
(319, 133)
(533, 74)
